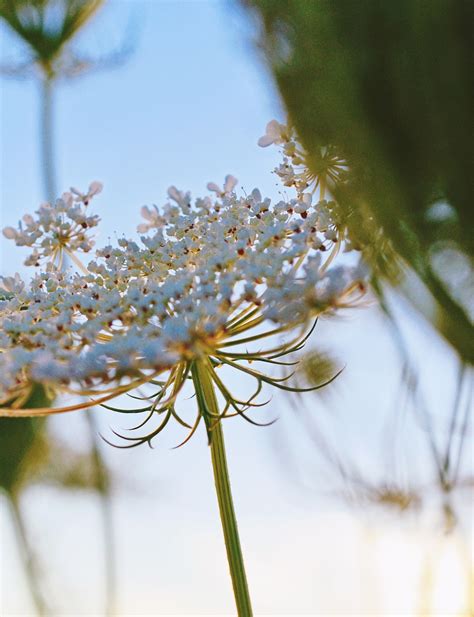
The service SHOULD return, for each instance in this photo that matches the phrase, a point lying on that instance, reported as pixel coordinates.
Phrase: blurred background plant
(46, 31)
(364, 79)
(29, 455)
(388, 87)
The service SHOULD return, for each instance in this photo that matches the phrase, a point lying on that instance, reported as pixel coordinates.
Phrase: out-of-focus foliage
(389, 85)
(18, 440)
(30, 455)
(318, 367)
(47, 26)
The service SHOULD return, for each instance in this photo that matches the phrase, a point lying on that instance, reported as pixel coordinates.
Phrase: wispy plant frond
(47, 26)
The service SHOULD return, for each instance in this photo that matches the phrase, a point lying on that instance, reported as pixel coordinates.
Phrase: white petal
(9, 233)
(146, 213)
(265, 141)
(230, 182)
(274, 128)
(95, 188)
(212, 186)
(257, 195)
(174, 194)
(67, 198)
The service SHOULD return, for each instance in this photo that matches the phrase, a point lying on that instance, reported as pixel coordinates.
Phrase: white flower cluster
(200, 275)
(327, 170)
(61, 227)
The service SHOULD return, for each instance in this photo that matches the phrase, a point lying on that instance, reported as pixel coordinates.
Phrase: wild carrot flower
(203, 282)
(327, 170)
(57, 229)
(207, 285)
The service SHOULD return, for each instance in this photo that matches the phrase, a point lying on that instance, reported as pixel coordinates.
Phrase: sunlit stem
(207, 402)
(332, 255)
(28, 557)
(77, 262)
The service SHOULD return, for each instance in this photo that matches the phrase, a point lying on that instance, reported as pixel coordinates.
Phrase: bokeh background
(339, 502)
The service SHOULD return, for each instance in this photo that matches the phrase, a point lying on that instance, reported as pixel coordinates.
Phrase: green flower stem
(208, 407)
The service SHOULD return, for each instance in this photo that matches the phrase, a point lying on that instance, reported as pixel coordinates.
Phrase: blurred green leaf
(17, 436)
(389, 85)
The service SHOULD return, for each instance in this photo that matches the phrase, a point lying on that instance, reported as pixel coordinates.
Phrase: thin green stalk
(28, 557)
(207, 402)
(47, 138)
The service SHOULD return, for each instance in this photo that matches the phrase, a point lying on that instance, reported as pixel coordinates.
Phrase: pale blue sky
(188, 107)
